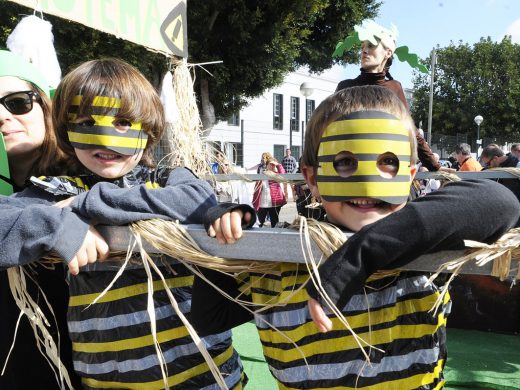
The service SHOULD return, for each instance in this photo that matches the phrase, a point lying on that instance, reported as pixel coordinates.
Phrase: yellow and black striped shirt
(392, 314)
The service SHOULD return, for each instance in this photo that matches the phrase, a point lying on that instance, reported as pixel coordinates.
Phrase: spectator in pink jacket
(268, 197)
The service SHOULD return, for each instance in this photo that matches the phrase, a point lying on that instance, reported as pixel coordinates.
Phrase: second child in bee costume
(359, 158)
(108, 118)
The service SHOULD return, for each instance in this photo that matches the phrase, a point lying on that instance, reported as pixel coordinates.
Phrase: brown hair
(492, 150)
(52, 160)
(110, 77)
(346, 101)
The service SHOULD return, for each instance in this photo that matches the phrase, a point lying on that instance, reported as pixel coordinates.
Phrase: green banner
(159, 25)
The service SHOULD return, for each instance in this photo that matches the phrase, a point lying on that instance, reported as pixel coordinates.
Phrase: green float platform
(476, 360)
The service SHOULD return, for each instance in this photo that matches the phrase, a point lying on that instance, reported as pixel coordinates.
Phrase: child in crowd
(107, 118)
(359, 158)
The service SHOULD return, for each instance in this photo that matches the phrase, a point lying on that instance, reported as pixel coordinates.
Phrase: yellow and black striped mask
(365, 137)
(101, 132)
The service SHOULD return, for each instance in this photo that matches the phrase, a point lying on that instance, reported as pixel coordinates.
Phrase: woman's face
(373, 58)
(22, 133)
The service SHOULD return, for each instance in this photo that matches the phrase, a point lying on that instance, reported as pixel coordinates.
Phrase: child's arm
(185, 198)
(211, 311)
(479, 210)
(29, 228)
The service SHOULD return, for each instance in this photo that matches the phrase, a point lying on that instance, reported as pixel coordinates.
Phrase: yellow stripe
(114, 141)
(366, 126)
(412, 382)
(372, 146)
(130, 291)
(98, 101)
(364, 168)
(173, 380)
(375, 190)
(134, 343)
(360, 320)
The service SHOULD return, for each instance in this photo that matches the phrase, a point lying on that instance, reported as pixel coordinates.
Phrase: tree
(483, 79)
(258, 41)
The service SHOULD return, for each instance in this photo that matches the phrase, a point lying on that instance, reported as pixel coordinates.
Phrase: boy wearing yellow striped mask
(360, 160)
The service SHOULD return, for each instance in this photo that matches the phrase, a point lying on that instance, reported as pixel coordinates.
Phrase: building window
(277, 111)
(237, 151)
(234, 119)
(279, 152)
(309, 108)
(295, 113)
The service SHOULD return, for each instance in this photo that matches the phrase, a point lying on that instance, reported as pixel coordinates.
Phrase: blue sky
(424, 24)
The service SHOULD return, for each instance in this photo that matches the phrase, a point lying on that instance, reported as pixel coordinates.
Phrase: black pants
(273, 215)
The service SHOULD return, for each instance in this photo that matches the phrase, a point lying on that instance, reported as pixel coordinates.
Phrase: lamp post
(478, 120)
(306, 90)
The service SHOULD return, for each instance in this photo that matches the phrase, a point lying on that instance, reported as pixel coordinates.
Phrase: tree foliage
(258, 41)
(483, 79)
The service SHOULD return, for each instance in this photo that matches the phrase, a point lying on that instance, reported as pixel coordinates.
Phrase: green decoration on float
(374, 33)
(6, 187)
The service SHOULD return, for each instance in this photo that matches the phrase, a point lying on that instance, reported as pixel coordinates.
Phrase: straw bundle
(40, 324)
(185, 135)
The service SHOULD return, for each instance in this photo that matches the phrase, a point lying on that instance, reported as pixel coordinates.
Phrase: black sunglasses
(19, 103)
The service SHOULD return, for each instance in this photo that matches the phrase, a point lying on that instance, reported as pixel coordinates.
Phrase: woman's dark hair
(387, 67)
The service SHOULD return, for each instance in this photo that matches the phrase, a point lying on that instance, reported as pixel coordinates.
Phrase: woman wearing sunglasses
(25, 121)
(26, 127)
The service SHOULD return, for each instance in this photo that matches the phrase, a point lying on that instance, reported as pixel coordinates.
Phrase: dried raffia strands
(500, 252)
(185, 135)
(172, 239)
(328, 238)
(39, 323)
(147, 263)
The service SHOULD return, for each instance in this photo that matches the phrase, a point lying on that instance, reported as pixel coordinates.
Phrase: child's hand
(228, 228)
(65, 202)
(94, 248)
(320, 319)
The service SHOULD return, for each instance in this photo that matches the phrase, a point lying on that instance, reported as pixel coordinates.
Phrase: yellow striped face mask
(365, 154)
(103, 129)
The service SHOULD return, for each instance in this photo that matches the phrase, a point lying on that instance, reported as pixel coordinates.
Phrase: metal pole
(290, 135)
(304, 125)
(430, 106)
(478, 138)
(242, 139)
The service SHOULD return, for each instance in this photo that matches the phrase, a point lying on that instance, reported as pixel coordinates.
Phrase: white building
(274, 121)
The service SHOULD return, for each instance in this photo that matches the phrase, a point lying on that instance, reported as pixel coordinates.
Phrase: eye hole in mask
(345, 163)
(387, 165)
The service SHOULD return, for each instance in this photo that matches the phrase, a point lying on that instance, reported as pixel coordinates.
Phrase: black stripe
(95, 110)
(388, 199)
(361, 179)
(366, 136)
(120, 150)
(108, 131)
(362, 157)
(368, 115)
(6, 180)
